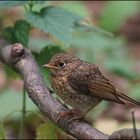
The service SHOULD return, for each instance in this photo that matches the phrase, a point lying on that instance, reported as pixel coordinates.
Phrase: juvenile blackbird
(81, 84)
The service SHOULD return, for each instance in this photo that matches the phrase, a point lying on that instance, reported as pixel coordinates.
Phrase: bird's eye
(61, 64)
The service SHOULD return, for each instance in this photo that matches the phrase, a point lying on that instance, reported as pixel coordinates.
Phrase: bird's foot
(76, 115)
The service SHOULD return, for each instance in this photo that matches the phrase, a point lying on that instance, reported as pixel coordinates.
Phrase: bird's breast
(62, 88)
(70, 96)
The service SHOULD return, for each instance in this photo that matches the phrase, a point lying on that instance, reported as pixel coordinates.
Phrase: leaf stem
(22, 123)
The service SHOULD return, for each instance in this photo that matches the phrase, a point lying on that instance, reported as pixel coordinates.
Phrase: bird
(81, 85)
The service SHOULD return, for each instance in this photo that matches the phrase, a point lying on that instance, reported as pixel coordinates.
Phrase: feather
(104, 93)
(123, 96)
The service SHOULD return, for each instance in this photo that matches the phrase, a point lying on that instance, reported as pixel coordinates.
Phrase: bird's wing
(123, 96)
(90, 81)
(79, 82)
(103, 88)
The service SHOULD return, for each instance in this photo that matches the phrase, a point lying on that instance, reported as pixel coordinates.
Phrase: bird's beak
(49, 66)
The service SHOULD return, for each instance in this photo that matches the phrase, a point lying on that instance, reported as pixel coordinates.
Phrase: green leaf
(85, 27)
(38, 5)
(8, 34)
(77, 7)
(54, 20)
(21, 32)
(46, 131)
(116, 12)
(18, 33)
(8, 4)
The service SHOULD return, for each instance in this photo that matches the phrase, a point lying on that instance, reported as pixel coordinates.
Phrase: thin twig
(134, 124)
(22, 124)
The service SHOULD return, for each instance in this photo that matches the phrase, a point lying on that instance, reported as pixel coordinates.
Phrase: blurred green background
(106, 33)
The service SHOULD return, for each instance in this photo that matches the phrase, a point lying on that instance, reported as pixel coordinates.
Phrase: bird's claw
(76, 115)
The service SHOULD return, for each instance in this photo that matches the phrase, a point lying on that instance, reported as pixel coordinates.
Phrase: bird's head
(62, 64)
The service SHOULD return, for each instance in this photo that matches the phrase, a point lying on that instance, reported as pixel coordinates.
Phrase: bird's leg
(76, 114)
(81, 115)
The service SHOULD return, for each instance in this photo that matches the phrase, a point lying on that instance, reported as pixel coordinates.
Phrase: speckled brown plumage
(81, 84)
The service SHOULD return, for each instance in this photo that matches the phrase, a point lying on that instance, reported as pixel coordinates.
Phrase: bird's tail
(123, 96)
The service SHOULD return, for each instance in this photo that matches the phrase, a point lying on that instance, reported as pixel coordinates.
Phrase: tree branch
(22, 61)
(125, 134)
